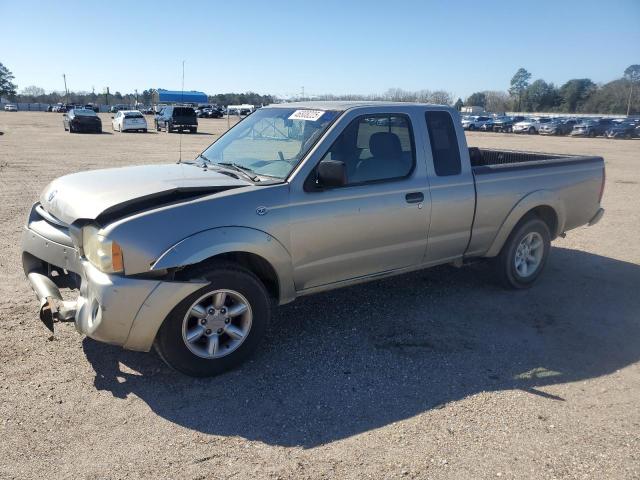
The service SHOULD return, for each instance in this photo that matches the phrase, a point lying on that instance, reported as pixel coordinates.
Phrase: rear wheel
(167, 127)
(524, 254)
(158, 129)
(216, 328)
(532, 130)
(193, 130)
(472, 127)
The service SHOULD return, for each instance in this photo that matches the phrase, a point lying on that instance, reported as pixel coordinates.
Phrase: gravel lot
(437, 374)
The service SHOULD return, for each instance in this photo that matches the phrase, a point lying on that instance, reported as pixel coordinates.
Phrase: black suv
(177, 118)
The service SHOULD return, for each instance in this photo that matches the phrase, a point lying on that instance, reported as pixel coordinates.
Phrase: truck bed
(503, 178)
(481, 157)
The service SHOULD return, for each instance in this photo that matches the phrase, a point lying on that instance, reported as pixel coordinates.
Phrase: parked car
(475, 122)
(488, 125)
(626, 129)
(591, 128)
(129, 121)
(10, 107)
(505, 124)
(190, 258)
(93, 107)
(557, 126)
(118, 107)
(177, 118)
(82, 120)
(531, 125)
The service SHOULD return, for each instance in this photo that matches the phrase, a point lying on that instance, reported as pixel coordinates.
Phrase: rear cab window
(444, 143)
(184, 112)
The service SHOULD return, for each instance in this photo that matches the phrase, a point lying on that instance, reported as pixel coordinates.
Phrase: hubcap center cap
(215, 322)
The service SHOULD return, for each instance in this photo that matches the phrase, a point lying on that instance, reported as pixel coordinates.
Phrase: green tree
(459, 104)
(519, 83)
(632, 74)
(612, 97)
(477, 99)
(7, 87)
(575, 93)
(540, 96)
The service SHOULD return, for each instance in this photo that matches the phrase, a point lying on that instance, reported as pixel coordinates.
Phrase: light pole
(66, 90)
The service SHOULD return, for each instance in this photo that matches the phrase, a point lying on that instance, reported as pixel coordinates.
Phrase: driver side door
(378, 221)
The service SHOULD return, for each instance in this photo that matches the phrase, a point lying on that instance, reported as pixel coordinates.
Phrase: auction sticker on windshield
(309, 115)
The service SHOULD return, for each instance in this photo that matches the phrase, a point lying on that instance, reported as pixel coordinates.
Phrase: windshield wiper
(246, 171)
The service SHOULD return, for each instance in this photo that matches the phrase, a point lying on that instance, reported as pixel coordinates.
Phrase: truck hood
(117, 192)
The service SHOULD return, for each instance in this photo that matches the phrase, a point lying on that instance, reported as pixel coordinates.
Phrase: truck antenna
(181, 101)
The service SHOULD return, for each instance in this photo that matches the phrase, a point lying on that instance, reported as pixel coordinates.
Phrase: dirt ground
(437, 374)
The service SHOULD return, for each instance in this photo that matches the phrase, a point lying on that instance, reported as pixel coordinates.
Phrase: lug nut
(203, 321)
(208, 331)
(223, 310)
(219, 330)
(226, 320)
(211, 311)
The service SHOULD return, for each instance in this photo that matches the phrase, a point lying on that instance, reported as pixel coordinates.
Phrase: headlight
(105, 255)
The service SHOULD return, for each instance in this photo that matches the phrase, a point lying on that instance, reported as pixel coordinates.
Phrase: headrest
(385, 144)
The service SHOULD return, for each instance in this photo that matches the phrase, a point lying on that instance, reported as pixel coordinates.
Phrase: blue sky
(327, 46)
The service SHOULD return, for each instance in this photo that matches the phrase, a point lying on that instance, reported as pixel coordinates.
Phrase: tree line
(574, 96)
(578, 95)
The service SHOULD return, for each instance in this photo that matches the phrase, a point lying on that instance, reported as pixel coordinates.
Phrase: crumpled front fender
(217, 241)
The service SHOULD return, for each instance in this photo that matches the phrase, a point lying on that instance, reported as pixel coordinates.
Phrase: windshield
(270, 141)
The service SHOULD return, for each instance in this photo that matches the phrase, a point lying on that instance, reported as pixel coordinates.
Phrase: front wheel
(216, 328)
(532, 130)
(524, 254)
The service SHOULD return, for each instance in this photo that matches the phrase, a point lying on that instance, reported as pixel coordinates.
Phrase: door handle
(414, 197)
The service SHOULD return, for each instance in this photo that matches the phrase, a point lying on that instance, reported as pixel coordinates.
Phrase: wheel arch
(253, 249)
(543, 204)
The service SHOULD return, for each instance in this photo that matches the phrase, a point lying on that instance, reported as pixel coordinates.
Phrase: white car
(128, 121)
(475, 122)
(532, 125)
(10, 107)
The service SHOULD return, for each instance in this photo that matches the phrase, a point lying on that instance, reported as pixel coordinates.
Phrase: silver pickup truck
(295, 199)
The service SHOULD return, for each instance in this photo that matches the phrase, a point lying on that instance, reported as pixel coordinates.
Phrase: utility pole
(106, 96)
(66, 90)
(136, 90)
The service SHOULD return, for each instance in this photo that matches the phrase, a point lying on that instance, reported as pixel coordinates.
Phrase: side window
(375, 148)
(444, 143)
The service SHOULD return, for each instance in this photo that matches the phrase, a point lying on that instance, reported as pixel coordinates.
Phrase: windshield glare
(271, 141)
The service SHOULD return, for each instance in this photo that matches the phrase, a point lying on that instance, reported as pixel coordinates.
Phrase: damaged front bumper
(107, 305)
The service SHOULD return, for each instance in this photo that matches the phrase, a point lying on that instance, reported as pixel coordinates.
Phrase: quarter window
(375, 148)
(444, 143)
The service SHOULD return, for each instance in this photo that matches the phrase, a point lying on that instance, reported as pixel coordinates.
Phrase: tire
(71, 128)
(144, 130)
(172, 345)
(472, 127)
(167, 127)
(158, 129)
(508, 274)
(532, 130)
(592, 134)
(193, 130)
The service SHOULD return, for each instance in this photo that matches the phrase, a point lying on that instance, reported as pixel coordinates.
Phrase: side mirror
(332, 173)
